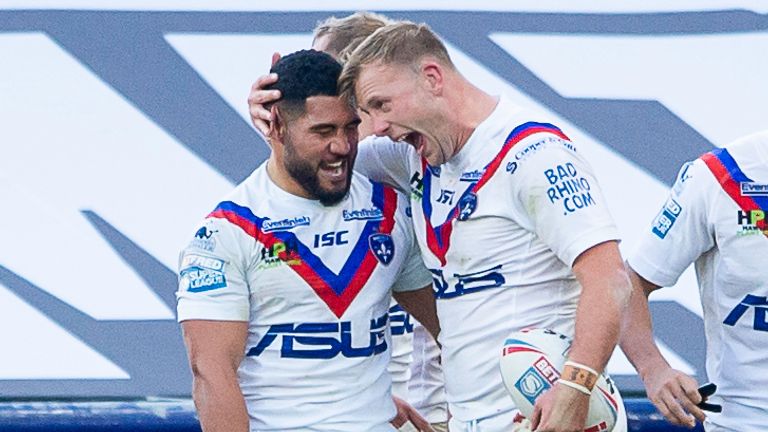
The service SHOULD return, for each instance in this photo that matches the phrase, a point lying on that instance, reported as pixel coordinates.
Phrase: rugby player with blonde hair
(510, 220)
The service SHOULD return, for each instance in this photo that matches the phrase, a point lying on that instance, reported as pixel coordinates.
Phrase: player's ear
(277, 125)
(433, 77)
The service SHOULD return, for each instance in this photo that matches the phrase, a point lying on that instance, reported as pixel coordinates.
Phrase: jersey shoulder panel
(213, 267)
(681, 231)
(383, 160)
(556, 194)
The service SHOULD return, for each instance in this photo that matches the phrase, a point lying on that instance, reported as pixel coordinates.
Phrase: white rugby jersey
(314, 284)
(417, 376)
(715, 217)
(499, 226)
(426, 388)
(399, 368)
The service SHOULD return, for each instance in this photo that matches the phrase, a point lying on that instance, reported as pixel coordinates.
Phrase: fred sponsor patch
(666, 218)
(202, 273)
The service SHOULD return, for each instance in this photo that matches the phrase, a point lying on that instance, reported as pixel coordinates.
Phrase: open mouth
(334, 170)
(415, 139)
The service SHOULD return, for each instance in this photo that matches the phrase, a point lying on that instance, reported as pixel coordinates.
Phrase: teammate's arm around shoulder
(215, 350)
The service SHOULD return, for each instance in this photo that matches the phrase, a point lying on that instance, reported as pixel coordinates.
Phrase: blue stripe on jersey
(737, 174)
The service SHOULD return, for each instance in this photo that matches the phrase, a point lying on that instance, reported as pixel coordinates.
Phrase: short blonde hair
(402, 43)
(345, 34)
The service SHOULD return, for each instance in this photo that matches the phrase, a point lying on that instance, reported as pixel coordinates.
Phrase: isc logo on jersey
(531, 361)
(202, 273)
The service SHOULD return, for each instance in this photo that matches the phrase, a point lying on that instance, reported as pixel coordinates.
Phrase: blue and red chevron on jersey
(336, 291)
(438, 238)
(729, 175)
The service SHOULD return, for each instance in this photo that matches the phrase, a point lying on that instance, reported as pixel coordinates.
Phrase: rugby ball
(531, 362)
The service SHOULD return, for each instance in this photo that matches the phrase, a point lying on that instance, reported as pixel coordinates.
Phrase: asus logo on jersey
(372, 213)
(666, 218)
(323, 340)
(466, 283)
(575, 192)
(761, 307)
(284, 224)
(417, 186)
(332, 238)
(753, 189)
(399, 321)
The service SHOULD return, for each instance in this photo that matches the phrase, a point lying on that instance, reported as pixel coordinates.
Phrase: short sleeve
(414, 274)
(680, 233)
(384, 161)
(212, 277)
(556, 195)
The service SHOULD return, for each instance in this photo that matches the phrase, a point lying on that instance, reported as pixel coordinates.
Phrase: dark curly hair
(304, 74)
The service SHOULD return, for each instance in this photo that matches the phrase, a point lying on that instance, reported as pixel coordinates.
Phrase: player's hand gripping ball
(531, 363)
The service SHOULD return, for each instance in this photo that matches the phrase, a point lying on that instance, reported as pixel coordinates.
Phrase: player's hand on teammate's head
(260, 116)
(407, 413)
(675, 395)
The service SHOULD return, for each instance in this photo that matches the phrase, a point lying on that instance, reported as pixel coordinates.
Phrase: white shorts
(505, 422)
(501, 422)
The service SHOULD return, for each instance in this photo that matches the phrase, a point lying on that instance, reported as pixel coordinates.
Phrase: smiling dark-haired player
(284, 307)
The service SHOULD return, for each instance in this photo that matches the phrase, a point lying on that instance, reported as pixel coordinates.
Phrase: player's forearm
(636, 338)
(219, 402)
(597, 326)
(421, 305)
(604, 298)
